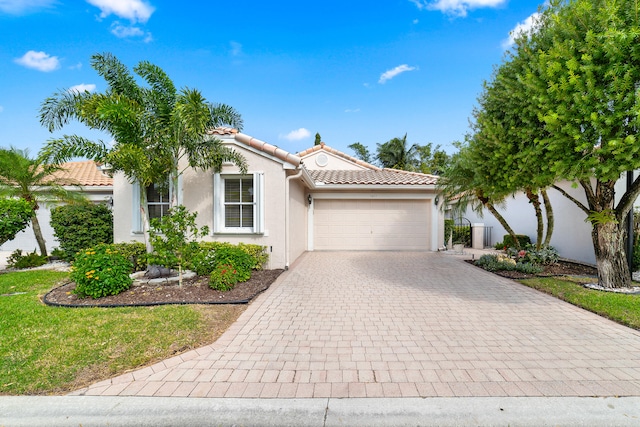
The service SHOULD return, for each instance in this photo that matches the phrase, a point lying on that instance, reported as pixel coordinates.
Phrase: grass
(621, 308)
(53, 350)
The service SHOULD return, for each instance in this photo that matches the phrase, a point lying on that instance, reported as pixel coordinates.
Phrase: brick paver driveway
(348, 324)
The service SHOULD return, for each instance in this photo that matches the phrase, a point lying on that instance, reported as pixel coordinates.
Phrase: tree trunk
(534, 199)
(503, 222)
(37, 231)
(608, 242)
(144, 216)
(173, 188)
(550, 218)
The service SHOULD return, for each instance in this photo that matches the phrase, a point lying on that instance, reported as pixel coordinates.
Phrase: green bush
(523, 239)
(224, 277)
(528, 268)
(81, 226)
(136, 252)
(100, 271)
(236, 257)
(488, 262)
(546, 255)
(19, 261)
(15, 215)
(448, 230)
(462, 234)
(636, 257)
(210, 254)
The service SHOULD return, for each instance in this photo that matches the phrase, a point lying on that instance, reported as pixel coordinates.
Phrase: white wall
(571, 234)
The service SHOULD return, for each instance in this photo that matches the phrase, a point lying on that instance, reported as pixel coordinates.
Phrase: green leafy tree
(318, 139)
(14, 217)
(157, 129)
(35, 182)
(432, 159)
(577, 81)
(174, 238)
(361, 152)
(396, 154)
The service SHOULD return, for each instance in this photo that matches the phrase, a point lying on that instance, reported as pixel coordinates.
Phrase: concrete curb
(159, 411)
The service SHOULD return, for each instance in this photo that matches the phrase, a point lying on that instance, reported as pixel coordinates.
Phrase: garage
(371, 224)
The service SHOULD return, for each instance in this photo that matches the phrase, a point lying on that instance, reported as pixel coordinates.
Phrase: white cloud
(39, 61)
(455, 7)
(18, 7)
(1, 108)
(523, 27)
(76, 67)
(236, 48)
(133, 10)
(349, 110)
(297, 135)
(82, 88)
(388, 75)
(123, 31)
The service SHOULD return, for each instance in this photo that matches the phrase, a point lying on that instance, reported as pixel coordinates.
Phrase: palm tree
(154, 127)
(395, 154)
(34, 181)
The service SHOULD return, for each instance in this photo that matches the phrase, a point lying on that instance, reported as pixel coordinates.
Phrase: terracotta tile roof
(85, 173)
(265, 147)
(324, 147)
(373, 177)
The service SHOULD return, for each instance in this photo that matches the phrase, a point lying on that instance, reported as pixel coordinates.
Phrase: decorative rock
(156, 271)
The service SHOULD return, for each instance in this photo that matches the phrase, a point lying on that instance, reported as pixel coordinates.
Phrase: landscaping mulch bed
(561, 268)
(195, 291)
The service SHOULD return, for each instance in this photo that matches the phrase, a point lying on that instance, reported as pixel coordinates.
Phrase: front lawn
(53, 350)
(621, 308)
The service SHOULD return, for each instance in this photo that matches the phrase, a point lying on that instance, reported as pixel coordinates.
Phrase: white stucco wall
(198, 196)
(571, 234)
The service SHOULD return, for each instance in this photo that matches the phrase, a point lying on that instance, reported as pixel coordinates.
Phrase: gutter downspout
(286, 215)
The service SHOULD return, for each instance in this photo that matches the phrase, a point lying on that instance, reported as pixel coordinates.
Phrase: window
(158, 201)
(238, 203)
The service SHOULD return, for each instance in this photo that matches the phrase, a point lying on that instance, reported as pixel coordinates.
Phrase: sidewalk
(326, 412)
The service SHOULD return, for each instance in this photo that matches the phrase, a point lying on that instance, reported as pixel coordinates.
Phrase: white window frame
(135, 205)
(219, 204)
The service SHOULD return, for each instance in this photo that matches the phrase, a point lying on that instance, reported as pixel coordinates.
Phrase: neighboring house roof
(322, 146)
(85, 173)
(373, 177)
(257, 144)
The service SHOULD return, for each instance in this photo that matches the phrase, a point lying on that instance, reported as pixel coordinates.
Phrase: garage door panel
(371, 224)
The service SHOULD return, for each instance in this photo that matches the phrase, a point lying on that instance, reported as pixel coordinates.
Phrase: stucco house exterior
(83, 176)
(571, 234)
(318, 199)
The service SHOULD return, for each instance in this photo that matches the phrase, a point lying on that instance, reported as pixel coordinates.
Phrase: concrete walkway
(386, 325)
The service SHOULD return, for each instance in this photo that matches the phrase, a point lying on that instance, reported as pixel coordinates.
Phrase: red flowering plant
(224, 277)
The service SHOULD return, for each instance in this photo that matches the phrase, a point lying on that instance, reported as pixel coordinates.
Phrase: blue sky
(353, 71)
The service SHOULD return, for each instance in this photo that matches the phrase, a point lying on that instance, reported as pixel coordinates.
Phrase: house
(85, 176)
(571, 233)
(318, 199)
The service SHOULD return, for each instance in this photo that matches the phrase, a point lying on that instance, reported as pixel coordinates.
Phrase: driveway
(389, 324)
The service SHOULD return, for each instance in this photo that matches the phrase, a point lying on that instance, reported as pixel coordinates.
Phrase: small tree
(318, 140)
(14, 217)
(174, 238)
(361, 152)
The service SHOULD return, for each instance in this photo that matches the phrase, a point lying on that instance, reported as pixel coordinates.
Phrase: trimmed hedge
(81, 226)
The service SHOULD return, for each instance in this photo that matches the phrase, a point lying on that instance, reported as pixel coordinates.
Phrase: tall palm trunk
(144, 216)
(37, 231)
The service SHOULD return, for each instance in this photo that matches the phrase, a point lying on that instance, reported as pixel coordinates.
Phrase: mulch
(194, 291)
(561, 268)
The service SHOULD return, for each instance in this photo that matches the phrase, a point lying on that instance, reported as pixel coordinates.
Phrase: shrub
(462, 234)
(546, 255)
(19, 261)
(210, 254)
(236, 257)
(504, 263)
(81, 226)
(15, 215)
(100, 271)
(499, 246)
(224, 277)
(448, 230)
(488, 262)
(257, 252)
(136, 252)
(523, 239)
(528, 268)
(636, 257)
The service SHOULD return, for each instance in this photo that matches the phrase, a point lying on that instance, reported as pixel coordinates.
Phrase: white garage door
(371, 225)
